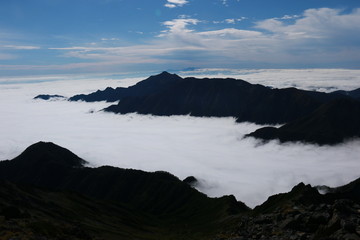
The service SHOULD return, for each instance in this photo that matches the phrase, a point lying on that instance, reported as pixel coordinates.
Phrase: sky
(211, 149)
(49, 37)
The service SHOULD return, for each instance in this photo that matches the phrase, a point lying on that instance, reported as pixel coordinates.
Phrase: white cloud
(325, 80)
(179, 26)
(322, 23)
(230, 20)
(316, 38)
(211, 149)
(288, 17)
(110, 39)
(175, 3)
(169, 5)
(231, 33)
(19, 47)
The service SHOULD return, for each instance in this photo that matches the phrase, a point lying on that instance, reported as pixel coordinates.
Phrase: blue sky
(41, 37)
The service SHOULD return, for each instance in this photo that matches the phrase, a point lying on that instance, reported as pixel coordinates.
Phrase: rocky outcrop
(339, 220)
(302, 214)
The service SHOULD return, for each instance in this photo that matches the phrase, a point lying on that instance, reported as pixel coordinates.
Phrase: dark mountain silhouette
(353, 94)
(159, 194)
(48, 97)
(168, 94)
(331, 123)
(27, 212)
(309, 116)
(301, 194)
(303, 213)
(146, 87)
(47, 193)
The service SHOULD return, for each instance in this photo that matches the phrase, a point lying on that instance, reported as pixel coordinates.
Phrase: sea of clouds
(211, 149)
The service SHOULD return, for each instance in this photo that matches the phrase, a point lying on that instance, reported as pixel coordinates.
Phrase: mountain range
(48, 192)
(168, 94)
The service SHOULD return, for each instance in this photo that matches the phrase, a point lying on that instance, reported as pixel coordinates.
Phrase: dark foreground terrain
(334, 115)
(47, 192)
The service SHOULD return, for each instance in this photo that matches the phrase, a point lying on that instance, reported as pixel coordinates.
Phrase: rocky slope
(301, 214)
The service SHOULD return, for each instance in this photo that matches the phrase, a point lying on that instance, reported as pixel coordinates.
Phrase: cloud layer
(210, 149)
(315, 38)
(319, 36)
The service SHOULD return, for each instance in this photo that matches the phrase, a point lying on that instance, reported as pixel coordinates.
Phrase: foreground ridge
(47, 192)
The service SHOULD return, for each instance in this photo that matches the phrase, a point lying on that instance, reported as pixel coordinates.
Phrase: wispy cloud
(110, 39)
(19, 47)
(231, 20)
(318, 36)
(287, 17)
(175, 3)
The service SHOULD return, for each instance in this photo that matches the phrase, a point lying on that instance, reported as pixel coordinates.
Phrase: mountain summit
(47, 153)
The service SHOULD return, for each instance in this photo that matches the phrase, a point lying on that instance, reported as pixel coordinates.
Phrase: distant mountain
(48, 97)
(222, 98)
(146, 87)
(47, 192)
(331, 123)
(168, 94)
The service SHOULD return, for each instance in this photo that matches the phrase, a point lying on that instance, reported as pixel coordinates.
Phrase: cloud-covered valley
(211, 149)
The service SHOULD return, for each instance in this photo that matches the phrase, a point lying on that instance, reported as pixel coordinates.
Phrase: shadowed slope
(113, 203)
(158, 194)
(225, 98)
(331, 123)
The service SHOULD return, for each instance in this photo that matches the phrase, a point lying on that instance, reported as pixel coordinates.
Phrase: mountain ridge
(42, 210)
(331, 123)
(168, 94)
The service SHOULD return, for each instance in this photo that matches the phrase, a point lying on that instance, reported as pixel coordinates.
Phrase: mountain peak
(44, 153)
(166, 75)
